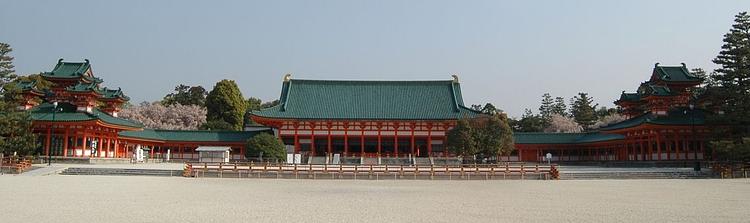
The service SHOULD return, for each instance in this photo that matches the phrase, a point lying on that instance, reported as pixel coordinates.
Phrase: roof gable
(70, 70)
(673, 74)
(348, 99)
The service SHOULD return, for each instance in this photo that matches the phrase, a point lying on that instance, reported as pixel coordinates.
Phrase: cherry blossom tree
(563, 124)
(608, 120)
(171, 117)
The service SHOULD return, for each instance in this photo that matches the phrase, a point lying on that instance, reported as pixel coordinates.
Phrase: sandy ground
(58, 198)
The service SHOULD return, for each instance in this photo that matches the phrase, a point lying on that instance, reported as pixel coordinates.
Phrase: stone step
(633, 175)
(116, 171)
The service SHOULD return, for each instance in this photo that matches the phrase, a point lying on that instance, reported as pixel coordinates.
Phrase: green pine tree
(560, 107)
(266, 146)
(226, 103)
(583, 109)
(734, 72)
(732, 80)
(460, 139)
(15, 126)
(545, 110)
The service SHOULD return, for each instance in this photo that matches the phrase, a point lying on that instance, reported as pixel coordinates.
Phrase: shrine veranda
(353, 118)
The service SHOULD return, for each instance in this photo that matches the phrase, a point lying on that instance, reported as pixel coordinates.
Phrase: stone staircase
(121, 172)
(633, 175)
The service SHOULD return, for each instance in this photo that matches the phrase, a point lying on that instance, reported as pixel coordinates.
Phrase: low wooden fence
(14, 164)
(731, 169)
(294, 171)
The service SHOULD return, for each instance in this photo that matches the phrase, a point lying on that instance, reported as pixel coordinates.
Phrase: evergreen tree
(460, 139)
(269, 104)
(732, 80)
(734, 72)
(7, 73)
(15, 126)
(545, 110)
(582, 110)
(560, 107)
(253, 104)
(529, 122)
(186, 95)
(225, 103)
(266, 146)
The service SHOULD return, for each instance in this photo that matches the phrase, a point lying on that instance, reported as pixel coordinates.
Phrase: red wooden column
(658, 145)
(396, 125)
(117, 147)
(379, 125)
(362, 138)
(429, 139)
(684, 143)
(65, 141)
(346, 138)
(649, 148)
(330, 148)
(412, 138)
(47, 141)
(560, 156)
(100, 146)
(83, 147)
(296, 138)
(445, 139)
(312, 138)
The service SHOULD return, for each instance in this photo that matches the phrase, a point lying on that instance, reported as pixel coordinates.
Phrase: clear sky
(506, 53)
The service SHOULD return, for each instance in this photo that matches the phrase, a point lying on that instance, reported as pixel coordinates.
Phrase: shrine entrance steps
(121, 172)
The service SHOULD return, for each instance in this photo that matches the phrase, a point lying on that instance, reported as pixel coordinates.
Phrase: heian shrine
(78, 118)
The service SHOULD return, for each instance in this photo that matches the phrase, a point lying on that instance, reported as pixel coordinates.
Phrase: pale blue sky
(507, 53)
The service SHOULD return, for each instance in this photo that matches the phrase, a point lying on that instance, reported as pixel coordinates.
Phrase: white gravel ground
(163, 199)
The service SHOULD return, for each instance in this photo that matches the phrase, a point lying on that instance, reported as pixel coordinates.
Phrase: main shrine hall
(78, 118)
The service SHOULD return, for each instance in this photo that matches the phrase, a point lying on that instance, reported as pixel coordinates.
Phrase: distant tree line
(554, 115)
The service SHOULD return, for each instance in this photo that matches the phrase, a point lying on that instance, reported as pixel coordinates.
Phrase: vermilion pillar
(412, 139)
(330, 148)
(65, 142)
(47, 141)
(395, 137)
(379, 126)
(429, 140)
(84, 146)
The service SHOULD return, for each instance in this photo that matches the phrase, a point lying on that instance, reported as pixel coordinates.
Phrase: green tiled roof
(680, 116)
(673, 74)
(648, 88)
(85, 87)
(390, 100)
(114, 93)
(192, 135)
(633, 97)
(563, 138)
(28, 86)
(68, 113)
(68, 69)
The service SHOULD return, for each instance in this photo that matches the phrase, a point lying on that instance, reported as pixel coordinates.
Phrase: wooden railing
(338, 171)
(731, 169)
(15, 164)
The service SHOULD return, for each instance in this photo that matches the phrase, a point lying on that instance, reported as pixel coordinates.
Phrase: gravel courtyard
(162, 199)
